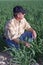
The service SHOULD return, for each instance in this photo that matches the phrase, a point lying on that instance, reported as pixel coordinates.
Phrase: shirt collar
(17, 20)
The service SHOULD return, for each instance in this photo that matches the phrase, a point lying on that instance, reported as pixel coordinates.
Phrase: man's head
(18, 12)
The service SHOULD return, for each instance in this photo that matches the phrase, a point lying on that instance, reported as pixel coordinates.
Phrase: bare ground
(5, 59)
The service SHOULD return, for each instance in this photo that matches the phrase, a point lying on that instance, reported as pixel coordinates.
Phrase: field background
(34, 16)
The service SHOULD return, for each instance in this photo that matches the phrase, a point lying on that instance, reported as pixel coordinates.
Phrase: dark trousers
(23, 37)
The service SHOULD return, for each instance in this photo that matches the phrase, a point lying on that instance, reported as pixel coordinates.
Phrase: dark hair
(18, 9)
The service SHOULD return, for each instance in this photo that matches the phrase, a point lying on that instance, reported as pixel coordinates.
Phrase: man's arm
(33, 32)
(18, 41)
(29, 28)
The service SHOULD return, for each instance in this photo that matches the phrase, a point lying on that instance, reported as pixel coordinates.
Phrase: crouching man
(17, 29)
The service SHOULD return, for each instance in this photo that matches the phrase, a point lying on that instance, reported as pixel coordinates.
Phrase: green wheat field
(34, 16)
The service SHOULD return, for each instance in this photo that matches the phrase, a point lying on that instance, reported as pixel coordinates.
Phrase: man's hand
(27, 44)
(23, 42)
(34, 35)
(33, 32)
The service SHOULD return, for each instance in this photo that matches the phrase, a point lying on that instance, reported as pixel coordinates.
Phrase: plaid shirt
(14, 28)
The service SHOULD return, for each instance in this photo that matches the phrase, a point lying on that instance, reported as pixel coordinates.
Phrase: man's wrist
(22, 42)
(19, 41)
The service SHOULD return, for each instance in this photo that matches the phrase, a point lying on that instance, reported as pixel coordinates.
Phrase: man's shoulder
(9, 22)
(24, 20)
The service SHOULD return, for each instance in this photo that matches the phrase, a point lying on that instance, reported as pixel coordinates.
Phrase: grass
(34, 16)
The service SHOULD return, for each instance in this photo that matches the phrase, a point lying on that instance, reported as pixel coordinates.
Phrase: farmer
(17, 29)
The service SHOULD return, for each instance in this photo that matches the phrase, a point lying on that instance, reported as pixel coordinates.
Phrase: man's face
(20, 15)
